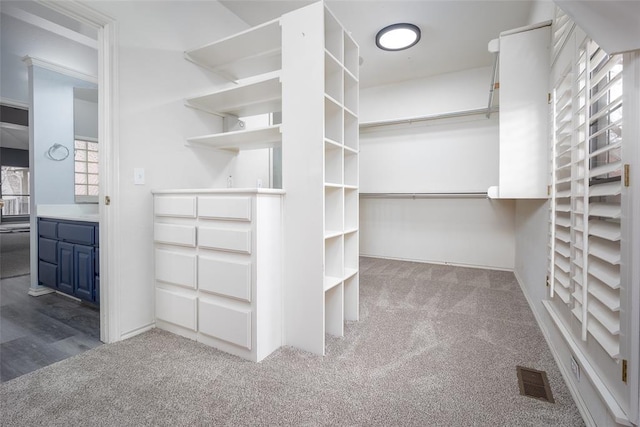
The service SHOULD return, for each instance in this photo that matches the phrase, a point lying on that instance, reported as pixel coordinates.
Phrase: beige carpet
(436, 346)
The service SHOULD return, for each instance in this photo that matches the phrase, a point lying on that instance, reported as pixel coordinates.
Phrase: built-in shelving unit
(304, 65)
(322, 148)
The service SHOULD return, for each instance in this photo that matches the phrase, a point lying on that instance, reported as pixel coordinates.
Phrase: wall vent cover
(534, 383)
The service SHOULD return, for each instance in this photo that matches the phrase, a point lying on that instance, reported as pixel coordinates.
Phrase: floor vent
(534, 384)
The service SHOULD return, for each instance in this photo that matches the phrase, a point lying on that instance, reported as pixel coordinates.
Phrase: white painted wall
(18, 39)
(52, 123)
(453, 155)
(153, 80)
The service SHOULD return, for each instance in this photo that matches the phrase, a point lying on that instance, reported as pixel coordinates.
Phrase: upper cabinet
(524, 59)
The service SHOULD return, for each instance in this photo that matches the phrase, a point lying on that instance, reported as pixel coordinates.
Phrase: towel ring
(55, 148)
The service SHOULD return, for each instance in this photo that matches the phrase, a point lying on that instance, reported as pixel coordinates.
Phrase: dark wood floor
(38, 331)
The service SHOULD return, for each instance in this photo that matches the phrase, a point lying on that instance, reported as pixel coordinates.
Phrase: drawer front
(176, 308)
(48, 274)
(48, 229)
(226, 240)
(184, 235)
(48, 250)
(77, 233)
(96, 235)
(232, 208)
(176, 268)
(232, 279)
(224, 323)
(181, 206)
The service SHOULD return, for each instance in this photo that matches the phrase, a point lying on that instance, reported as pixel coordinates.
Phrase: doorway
(16, 286)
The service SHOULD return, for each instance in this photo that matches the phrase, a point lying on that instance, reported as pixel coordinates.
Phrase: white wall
(18, 39)
(52, 123)
(153, 123)
(453, 155)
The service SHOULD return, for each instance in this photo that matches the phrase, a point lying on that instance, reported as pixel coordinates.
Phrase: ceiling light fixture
(398, 37)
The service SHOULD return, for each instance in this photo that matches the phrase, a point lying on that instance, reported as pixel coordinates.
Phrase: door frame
(108, 156)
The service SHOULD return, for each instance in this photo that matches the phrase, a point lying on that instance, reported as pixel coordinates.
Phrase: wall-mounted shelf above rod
(411, 120)
(468, 195)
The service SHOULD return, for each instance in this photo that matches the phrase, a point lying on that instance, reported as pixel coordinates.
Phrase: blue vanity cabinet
(68, 259)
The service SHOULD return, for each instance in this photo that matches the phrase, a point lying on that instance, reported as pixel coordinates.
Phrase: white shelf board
(251, 139)
(350, 272)
(331, 282)
(248, 53)
(330, 234)
(264, 96)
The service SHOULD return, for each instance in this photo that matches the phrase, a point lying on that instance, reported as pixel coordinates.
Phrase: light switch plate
(138, 176)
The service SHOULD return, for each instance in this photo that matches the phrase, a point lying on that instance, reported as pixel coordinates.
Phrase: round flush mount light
(398, 37)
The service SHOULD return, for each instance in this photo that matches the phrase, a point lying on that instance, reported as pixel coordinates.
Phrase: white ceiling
(454, 33)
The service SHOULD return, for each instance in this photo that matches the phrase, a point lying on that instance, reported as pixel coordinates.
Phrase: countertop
(73, 217)
(221, 191)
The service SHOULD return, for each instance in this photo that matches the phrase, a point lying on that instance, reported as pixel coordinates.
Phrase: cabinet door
(65, 267)
(84, 273)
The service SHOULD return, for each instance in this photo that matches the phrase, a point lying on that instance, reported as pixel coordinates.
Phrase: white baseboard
(455, 264)
(137, 331)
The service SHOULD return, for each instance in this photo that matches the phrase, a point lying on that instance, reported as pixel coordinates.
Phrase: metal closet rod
(451, 115)
(466, 195)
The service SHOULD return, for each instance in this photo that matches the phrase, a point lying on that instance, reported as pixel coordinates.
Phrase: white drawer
(224, 323)
(232, 279)
(226, 240)
(176, 308)
(181, 206)
(219, 207)
(176, 268)
(184, 235)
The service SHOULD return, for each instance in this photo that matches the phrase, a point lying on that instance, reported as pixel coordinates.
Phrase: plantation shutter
(586, 194)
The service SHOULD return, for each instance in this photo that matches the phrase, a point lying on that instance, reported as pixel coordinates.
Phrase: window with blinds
(586, 194)
(560, 29)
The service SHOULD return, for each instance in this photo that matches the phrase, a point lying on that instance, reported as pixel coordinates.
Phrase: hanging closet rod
(469, 195)
(451, 115)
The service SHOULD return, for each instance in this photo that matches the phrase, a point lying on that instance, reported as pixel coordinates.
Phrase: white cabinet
(305, 66)
(524, 113)
(218, 272)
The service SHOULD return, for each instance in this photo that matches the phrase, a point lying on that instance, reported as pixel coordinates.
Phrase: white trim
(605, 395)
(527, 28)
(49, 26)
(109, 168)
(86, 138)
(583, 408)
(631, 155)
(40, 290)
(14, 103)
(426, 261)
(47, 65)
(138, 331)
